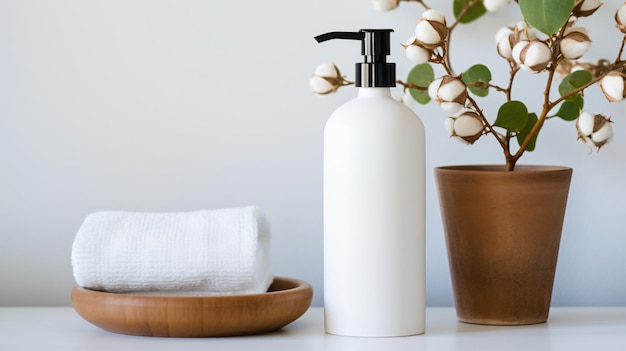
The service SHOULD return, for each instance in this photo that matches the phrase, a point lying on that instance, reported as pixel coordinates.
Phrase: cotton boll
(613, 86)
(431, 29)
(495, 5)
(451, 89)
(573, 49)
(585, 122)
(320, 86)
(502, 33)
(434, 87)
(575, 43)
(517, 50)
(508, 37)
(468, 127)
(532, 55)
(448, 124)
(588, 142)
(434, 15)
(417, 54)
(524, 31)
(594, 130)
(449, 92)
(326, 79)
(604, 134)
(536, 56)
(452, 107)
(468, 124)
(385, 5)
(620, 18)
(328, 70)
(427, 34)
(584, 8)
(503, 43)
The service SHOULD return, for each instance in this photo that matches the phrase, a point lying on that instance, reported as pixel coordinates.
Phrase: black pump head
(375, 71)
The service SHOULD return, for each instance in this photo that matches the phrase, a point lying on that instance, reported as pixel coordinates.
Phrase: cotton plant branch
(525, 131)
(557, 56)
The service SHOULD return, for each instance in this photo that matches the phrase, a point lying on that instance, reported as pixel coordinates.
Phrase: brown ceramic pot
(502, 232)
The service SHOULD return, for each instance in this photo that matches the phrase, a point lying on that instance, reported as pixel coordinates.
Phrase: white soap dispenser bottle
(374, 204)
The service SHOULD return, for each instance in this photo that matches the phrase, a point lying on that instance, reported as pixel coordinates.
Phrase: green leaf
(473, 13)
(421, 75)
(477, 74)
(521, 136)
(574, 81)
(578, 100)
(548, 16)
(512, 116)
(570, 109)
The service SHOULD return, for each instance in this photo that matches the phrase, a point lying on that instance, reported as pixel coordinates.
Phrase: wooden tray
(192, 316)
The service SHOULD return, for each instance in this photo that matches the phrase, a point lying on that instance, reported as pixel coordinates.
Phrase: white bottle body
(374, 218)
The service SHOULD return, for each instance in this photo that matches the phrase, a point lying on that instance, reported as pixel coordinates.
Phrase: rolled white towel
(208, 252)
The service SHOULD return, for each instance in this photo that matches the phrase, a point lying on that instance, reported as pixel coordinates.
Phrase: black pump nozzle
(375, 71)
(340, 35)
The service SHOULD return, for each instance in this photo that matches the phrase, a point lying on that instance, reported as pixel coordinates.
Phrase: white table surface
(568, 329)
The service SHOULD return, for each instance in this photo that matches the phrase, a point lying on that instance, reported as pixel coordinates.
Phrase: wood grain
(191, 316)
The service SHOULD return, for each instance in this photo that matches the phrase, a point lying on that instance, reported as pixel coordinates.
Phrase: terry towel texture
(209, 252)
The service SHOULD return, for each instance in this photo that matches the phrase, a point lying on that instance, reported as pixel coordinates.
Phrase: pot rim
(497, 168)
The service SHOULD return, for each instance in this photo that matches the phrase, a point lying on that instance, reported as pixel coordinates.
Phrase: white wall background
(184, 105)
